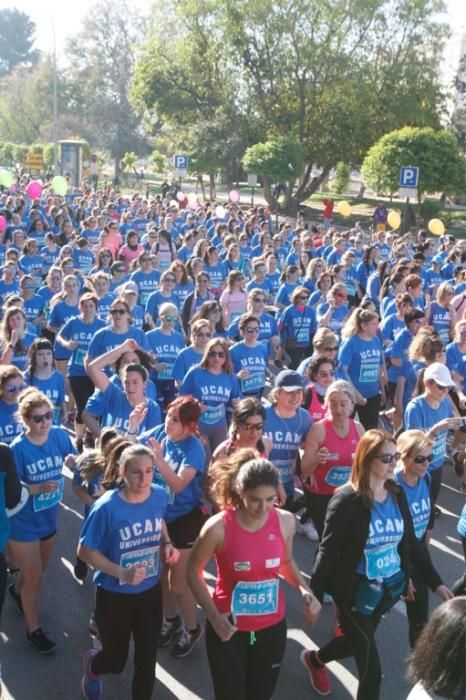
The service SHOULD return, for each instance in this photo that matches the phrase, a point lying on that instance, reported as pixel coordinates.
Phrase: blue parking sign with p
(409, 176)
(181, 162)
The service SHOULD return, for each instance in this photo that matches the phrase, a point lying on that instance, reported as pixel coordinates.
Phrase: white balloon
(220, 212)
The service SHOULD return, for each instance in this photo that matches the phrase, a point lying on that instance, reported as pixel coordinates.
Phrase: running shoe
(185, 641)
(16, 597)
(91, 683)
(40, 641)
(308, 530)
(169, 629)
(317, 674)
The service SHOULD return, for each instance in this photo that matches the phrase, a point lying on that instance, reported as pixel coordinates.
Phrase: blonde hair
(353, 325)
(340, 385)
(30, 399)
(168, 308)
(442, 289)
(411, 442)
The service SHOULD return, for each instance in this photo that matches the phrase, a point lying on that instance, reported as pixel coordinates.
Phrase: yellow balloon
(437, 227)
(344, 209)
(394, 220)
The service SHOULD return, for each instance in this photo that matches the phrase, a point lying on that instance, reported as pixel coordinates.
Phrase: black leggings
(316, 506)
(118, 615)
(358, 641)
(369, 414)
(2, 581)
(81, 388)
(244, 669)
(435, 484)
(459, 587)
(417, 610)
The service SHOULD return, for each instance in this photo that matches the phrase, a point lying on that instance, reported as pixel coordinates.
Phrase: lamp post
(54, 98)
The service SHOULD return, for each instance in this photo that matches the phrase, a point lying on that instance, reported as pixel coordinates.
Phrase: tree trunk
(212, 193)
(268, 196)
(200, 183)
(308, 187)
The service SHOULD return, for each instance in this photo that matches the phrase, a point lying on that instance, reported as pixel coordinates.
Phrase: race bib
(382, 562)
(337, 476)
(254, 382)
(439, 448)
(302, 336)
(56, 410)
(148, 557)
(79, 357)
(214, 414)
(369, 373)
(43, 501)
(255, 598)
(419, 529)
(143, 298)
(167, 372)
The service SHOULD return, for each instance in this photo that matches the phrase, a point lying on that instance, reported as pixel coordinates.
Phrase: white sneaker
(308, 530)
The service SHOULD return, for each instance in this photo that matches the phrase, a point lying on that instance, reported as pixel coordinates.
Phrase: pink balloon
(234, 196)
(180, 196)
(34, 189)
(2, 223)
(12, 189)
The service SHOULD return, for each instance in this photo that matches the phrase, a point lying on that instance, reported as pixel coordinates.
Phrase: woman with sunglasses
(361, 362)
(246, 430)
(212, 312)
(321, 374)
(289, 282)
(163, 295)
(325, 344)
(434, 412)
(334, 312)
(249, 357)
(43, 375)
(246, 627)
(40, 453)
(329, 451)
(297, 325)
(114, 334)
(11, 385)
(364, 561)
(415, 449)
(104, 260)
(101, 284)
(215, 385)
(189, 356)
(165, 343)
(441, 314)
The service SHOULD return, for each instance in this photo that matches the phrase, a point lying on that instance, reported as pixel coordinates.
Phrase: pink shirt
(127, 255)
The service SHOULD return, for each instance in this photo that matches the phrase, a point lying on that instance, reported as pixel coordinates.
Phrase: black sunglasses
(389, 458)
(43, 417)
(420, 459)
(118, 312)
(216, 353)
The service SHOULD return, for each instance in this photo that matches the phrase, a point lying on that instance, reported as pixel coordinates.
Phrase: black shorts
(48, 537)
(184, 530)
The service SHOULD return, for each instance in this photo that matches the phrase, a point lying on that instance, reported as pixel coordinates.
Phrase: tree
(334, 76)
(278, 160)
(341, 178)
(102, 57)
(16, 41)
(434, 152)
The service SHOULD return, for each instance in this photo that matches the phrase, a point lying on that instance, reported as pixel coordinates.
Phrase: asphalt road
(66, 606)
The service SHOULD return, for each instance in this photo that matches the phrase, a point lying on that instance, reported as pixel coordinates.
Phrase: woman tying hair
(246, 626)
(364, 561)
(246, 430)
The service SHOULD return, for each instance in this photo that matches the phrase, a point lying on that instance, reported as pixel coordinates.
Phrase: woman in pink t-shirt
(234, 299)
(131, 250)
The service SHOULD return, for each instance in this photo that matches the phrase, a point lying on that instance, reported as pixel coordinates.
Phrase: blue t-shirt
(381, 559)
(253, 359)
(84, 260)
(462, 522)
(337, 319)
(186, 359)
(180, 453)
(267, 327)
(181, 291)
(215, 390)
(117, 409)
(440, 319)
(217, 273)
(105, 339)
(103, 306)
(286, 434)
(273, 278)
(147, 283)
(391, 326)
(284, 293)
(363, 360)
(59, 315)
(418, 501)
(10, 427)
(155, 301)
(96, 404)
(33, 307)
(127, 534)
(82, 333)
(20, 357)
(36, 464)
(399, 351)
(419, 414)
(166, 349)
(297, 325)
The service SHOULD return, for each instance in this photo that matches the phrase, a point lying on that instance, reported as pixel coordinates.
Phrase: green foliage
(19, 152)
(341, 178)
(16, 40)
(6, 153)
(280, 159)
(158, 160)
(435, 152)
(128, 161)
(48, 153)
(431, 210)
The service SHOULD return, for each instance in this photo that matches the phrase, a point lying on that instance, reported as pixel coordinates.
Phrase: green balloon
(6, 178)
(60, 185)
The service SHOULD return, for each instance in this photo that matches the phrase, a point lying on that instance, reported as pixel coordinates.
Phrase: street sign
(252, 180)
(181, 162)
(410, 192)
(409, 176)
(34, 161)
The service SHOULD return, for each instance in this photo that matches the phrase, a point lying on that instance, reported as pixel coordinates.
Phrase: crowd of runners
(215, 381)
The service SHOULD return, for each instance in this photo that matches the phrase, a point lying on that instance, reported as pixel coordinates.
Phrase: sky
(67, 15)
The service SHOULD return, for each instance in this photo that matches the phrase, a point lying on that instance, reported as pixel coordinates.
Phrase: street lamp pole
(55, 103)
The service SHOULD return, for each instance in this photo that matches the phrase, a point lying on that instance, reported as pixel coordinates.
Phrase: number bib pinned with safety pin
(382, 562)
(255, 598)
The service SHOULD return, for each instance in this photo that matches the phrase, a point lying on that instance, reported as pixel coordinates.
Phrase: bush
(430, 209)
